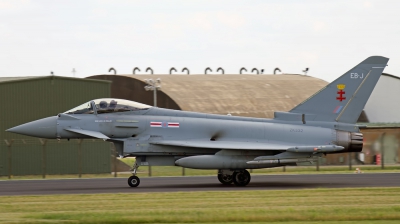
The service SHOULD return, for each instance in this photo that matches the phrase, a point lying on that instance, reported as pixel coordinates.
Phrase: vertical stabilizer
(344, 99)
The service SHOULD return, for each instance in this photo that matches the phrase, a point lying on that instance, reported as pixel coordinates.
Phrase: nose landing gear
(133, 180)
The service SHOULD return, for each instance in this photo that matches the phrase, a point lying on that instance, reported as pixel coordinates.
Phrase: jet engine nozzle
(356, 143)
(352, 142)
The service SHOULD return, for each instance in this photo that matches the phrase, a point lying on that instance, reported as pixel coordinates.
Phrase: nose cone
(43, 128)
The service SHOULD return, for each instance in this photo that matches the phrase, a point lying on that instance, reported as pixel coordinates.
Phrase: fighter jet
(325, 123)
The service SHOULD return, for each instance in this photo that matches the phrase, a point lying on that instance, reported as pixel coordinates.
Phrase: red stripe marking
(155, 124)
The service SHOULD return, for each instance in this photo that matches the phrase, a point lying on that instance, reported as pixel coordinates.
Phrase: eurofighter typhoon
(323, 124)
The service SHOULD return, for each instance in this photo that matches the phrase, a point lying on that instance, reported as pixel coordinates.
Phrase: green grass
(328, 206)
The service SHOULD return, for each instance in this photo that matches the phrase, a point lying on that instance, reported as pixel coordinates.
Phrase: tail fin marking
(344, 99)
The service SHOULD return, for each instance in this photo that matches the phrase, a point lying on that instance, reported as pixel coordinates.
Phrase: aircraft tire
(241, 178)
(225, 179)
(133, 181)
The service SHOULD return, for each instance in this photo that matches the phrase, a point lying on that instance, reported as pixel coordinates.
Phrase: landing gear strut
(133, 180)
(241, 178)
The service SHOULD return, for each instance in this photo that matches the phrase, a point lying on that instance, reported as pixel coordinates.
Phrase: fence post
(43, 143)
(382, 151)
(284, 168)
(349, 157)
(9, 143)
(80, 157)
(149, 171)
(114, 150)
(317, 164)
(183, 171)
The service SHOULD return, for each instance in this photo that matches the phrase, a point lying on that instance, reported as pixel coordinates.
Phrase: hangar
(247, 95)
(238, 95)
(383, 106)
(25, 99)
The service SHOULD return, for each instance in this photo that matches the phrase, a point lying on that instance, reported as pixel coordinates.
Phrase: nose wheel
(134, 181)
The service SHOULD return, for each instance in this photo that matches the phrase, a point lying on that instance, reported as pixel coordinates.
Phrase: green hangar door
(25, 99)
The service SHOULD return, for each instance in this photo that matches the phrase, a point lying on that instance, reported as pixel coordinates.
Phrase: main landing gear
(238, 177)
(133, 180)
(225, 179)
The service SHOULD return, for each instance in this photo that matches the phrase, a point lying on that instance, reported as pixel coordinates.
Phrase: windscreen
(108, 105)
(85, 108)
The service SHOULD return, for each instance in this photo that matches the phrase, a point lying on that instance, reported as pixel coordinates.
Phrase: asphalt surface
(203, 183)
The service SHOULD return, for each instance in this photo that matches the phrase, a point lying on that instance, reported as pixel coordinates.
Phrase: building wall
(384, 105)
(378, 139)
(30, 157)
(29, 99)
(374, 143)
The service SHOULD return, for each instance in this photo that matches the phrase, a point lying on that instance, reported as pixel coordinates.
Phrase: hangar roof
(244, 95)
(6, 79)
(25, 78)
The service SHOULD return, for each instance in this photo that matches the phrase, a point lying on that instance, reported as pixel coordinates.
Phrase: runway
(202, 183)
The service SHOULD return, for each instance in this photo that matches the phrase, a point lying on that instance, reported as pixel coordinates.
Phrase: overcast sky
(329, 37)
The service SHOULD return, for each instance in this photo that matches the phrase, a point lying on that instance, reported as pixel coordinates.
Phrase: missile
(282, 161)
(316, 149)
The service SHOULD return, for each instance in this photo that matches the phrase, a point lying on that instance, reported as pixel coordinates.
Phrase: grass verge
(345, 206)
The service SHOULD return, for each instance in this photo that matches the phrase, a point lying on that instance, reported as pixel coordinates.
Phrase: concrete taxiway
(201, 183)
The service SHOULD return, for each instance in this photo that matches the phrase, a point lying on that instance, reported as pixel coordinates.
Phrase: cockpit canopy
(108, 105)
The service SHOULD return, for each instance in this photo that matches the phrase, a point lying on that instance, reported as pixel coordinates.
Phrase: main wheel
(133, 181)
(225, 179)
(241, 178)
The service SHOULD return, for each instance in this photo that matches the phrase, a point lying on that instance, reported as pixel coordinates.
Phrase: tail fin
(344, 99)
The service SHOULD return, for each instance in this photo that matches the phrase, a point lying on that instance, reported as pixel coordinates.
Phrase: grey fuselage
(133, 135)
